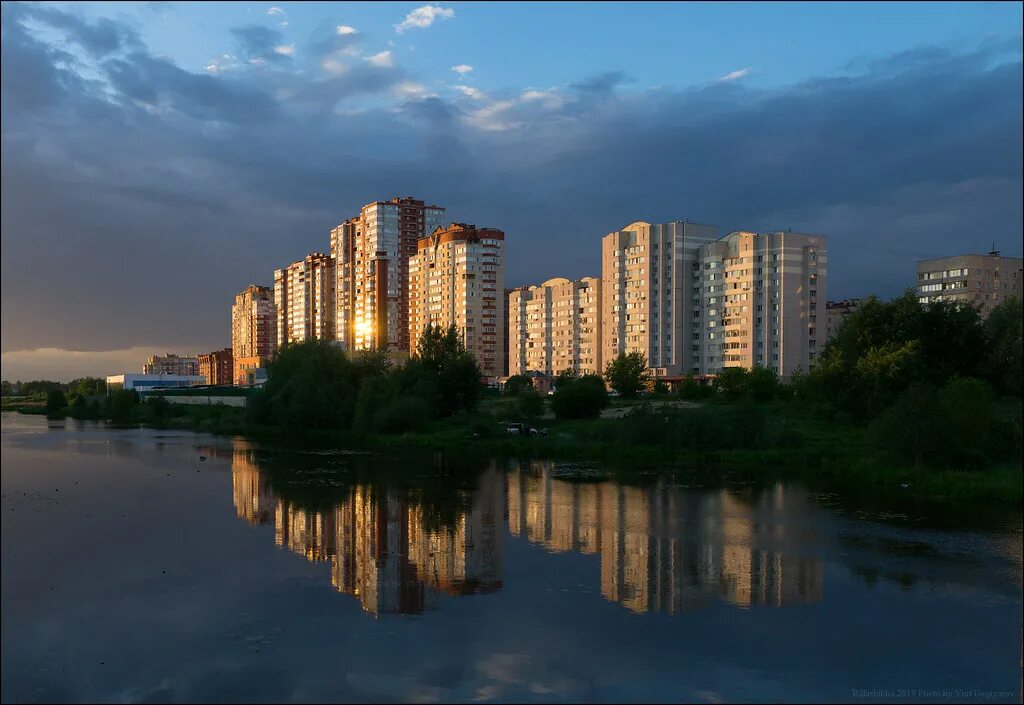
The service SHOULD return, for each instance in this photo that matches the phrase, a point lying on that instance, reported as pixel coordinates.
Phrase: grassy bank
(762, 442)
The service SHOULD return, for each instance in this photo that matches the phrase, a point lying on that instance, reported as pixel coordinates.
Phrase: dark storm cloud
(99, 38)
(135, 205)
(146, 79)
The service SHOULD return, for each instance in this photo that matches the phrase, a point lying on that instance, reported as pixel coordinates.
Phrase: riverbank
(640, 440)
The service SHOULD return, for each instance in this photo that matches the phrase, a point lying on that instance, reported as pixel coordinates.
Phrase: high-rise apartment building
(762, 302)
(982, 280)
(372, 253)
(253, 330)
(456, 278)
(171, 364)
(217, 367)
(304, 298)
(555, 326)
(647, 292)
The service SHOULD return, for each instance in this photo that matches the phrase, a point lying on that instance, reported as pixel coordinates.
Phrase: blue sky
(174, 153)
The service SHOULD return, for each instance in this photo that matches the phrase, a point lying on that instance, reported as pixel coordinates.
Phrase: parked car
(521, 429)
(613, 393)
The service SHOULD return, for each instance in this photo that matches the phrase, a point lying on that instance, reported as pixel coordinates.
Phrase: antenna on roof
(994, 252)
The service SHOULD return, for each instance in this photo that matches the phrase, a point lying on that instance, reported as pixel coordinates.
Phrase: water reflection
(667, 549)
(383, 546)
(660, 547)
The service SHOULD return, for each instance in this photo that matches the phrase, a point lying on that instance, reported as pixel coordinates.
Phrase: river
(167, 566)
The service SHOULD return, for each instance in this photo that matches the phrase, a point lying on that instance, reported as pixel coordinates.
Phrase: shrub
(530, 404)
(582, 398)
(401, 415)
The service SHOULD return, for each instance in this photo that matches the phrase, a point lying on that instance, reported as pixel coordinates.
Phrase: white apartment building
(457, 278)
(761, 302)
(982, 280)
(372, 254)
(555, 326)
(304, 299)
(647, 295)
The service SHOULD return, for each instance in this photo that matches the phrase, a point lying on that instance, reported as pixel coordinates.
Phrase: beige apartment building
(555, 326)
(457, 278)
(762, 302)
(372, 252)
(253, 330)
(983, 280)
(171, 364)
(648, 299)
(304, 299)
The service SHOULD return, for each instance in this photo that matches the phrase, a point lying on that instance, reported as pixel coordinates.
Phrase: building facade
(372, 253)
(836, 312)
(217, 367)
(762, 302)
(647, 293)
(148, 381)
(253, 330)
(457, 278)
(304, 299)
(982, 280)
(555, 326)
(171, 364)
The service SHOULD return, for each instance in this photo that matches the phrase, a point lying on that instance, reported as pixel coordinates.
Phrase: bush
(120, 404)
(582, 398)
(691, 389)
(530, 404)
(401, 415)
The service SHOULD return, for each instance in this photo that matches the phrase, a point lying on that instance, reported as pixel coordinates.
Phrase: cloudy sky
(157, 157)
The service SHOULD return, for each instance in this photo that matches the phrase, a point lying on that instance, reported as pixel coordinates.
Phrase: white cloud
(225, 62)
(462, 69)
(494, 116)
(549, 98)
(423, 17)
(382, 59)
(411, 89)
(276, 11)
(285, 49)
(471, 92)
(344, 29)
(735, 75)
(332, 66)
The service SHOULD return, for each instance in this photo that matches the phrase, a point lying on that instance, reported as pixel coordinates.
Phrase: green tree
(312, 385)
(690, 388)
(516, 384)
(55, 401)
(1004, 347)
(762, 384)
(121, 403)
(731, 383)
(451, 369)
(627, 374)
(582, 398)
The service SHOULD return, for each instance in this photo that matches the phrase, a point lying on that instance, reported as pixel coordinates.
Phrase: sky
(159, 157)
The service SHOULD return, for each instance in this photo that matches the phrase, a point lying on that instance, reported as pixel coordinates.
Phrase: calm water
(134, 570)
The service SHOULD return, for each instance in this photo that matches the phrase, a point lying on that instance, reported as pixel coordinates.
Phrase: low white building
(144, 383)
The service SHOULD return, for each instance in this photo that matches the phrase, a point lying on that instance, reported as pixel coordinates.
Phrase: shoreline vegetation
(900, 402)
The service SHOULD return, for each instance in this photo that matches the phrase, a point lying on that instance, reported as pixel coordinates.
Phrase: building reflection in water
(381, 546)
(666, 549)
(661, 548)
